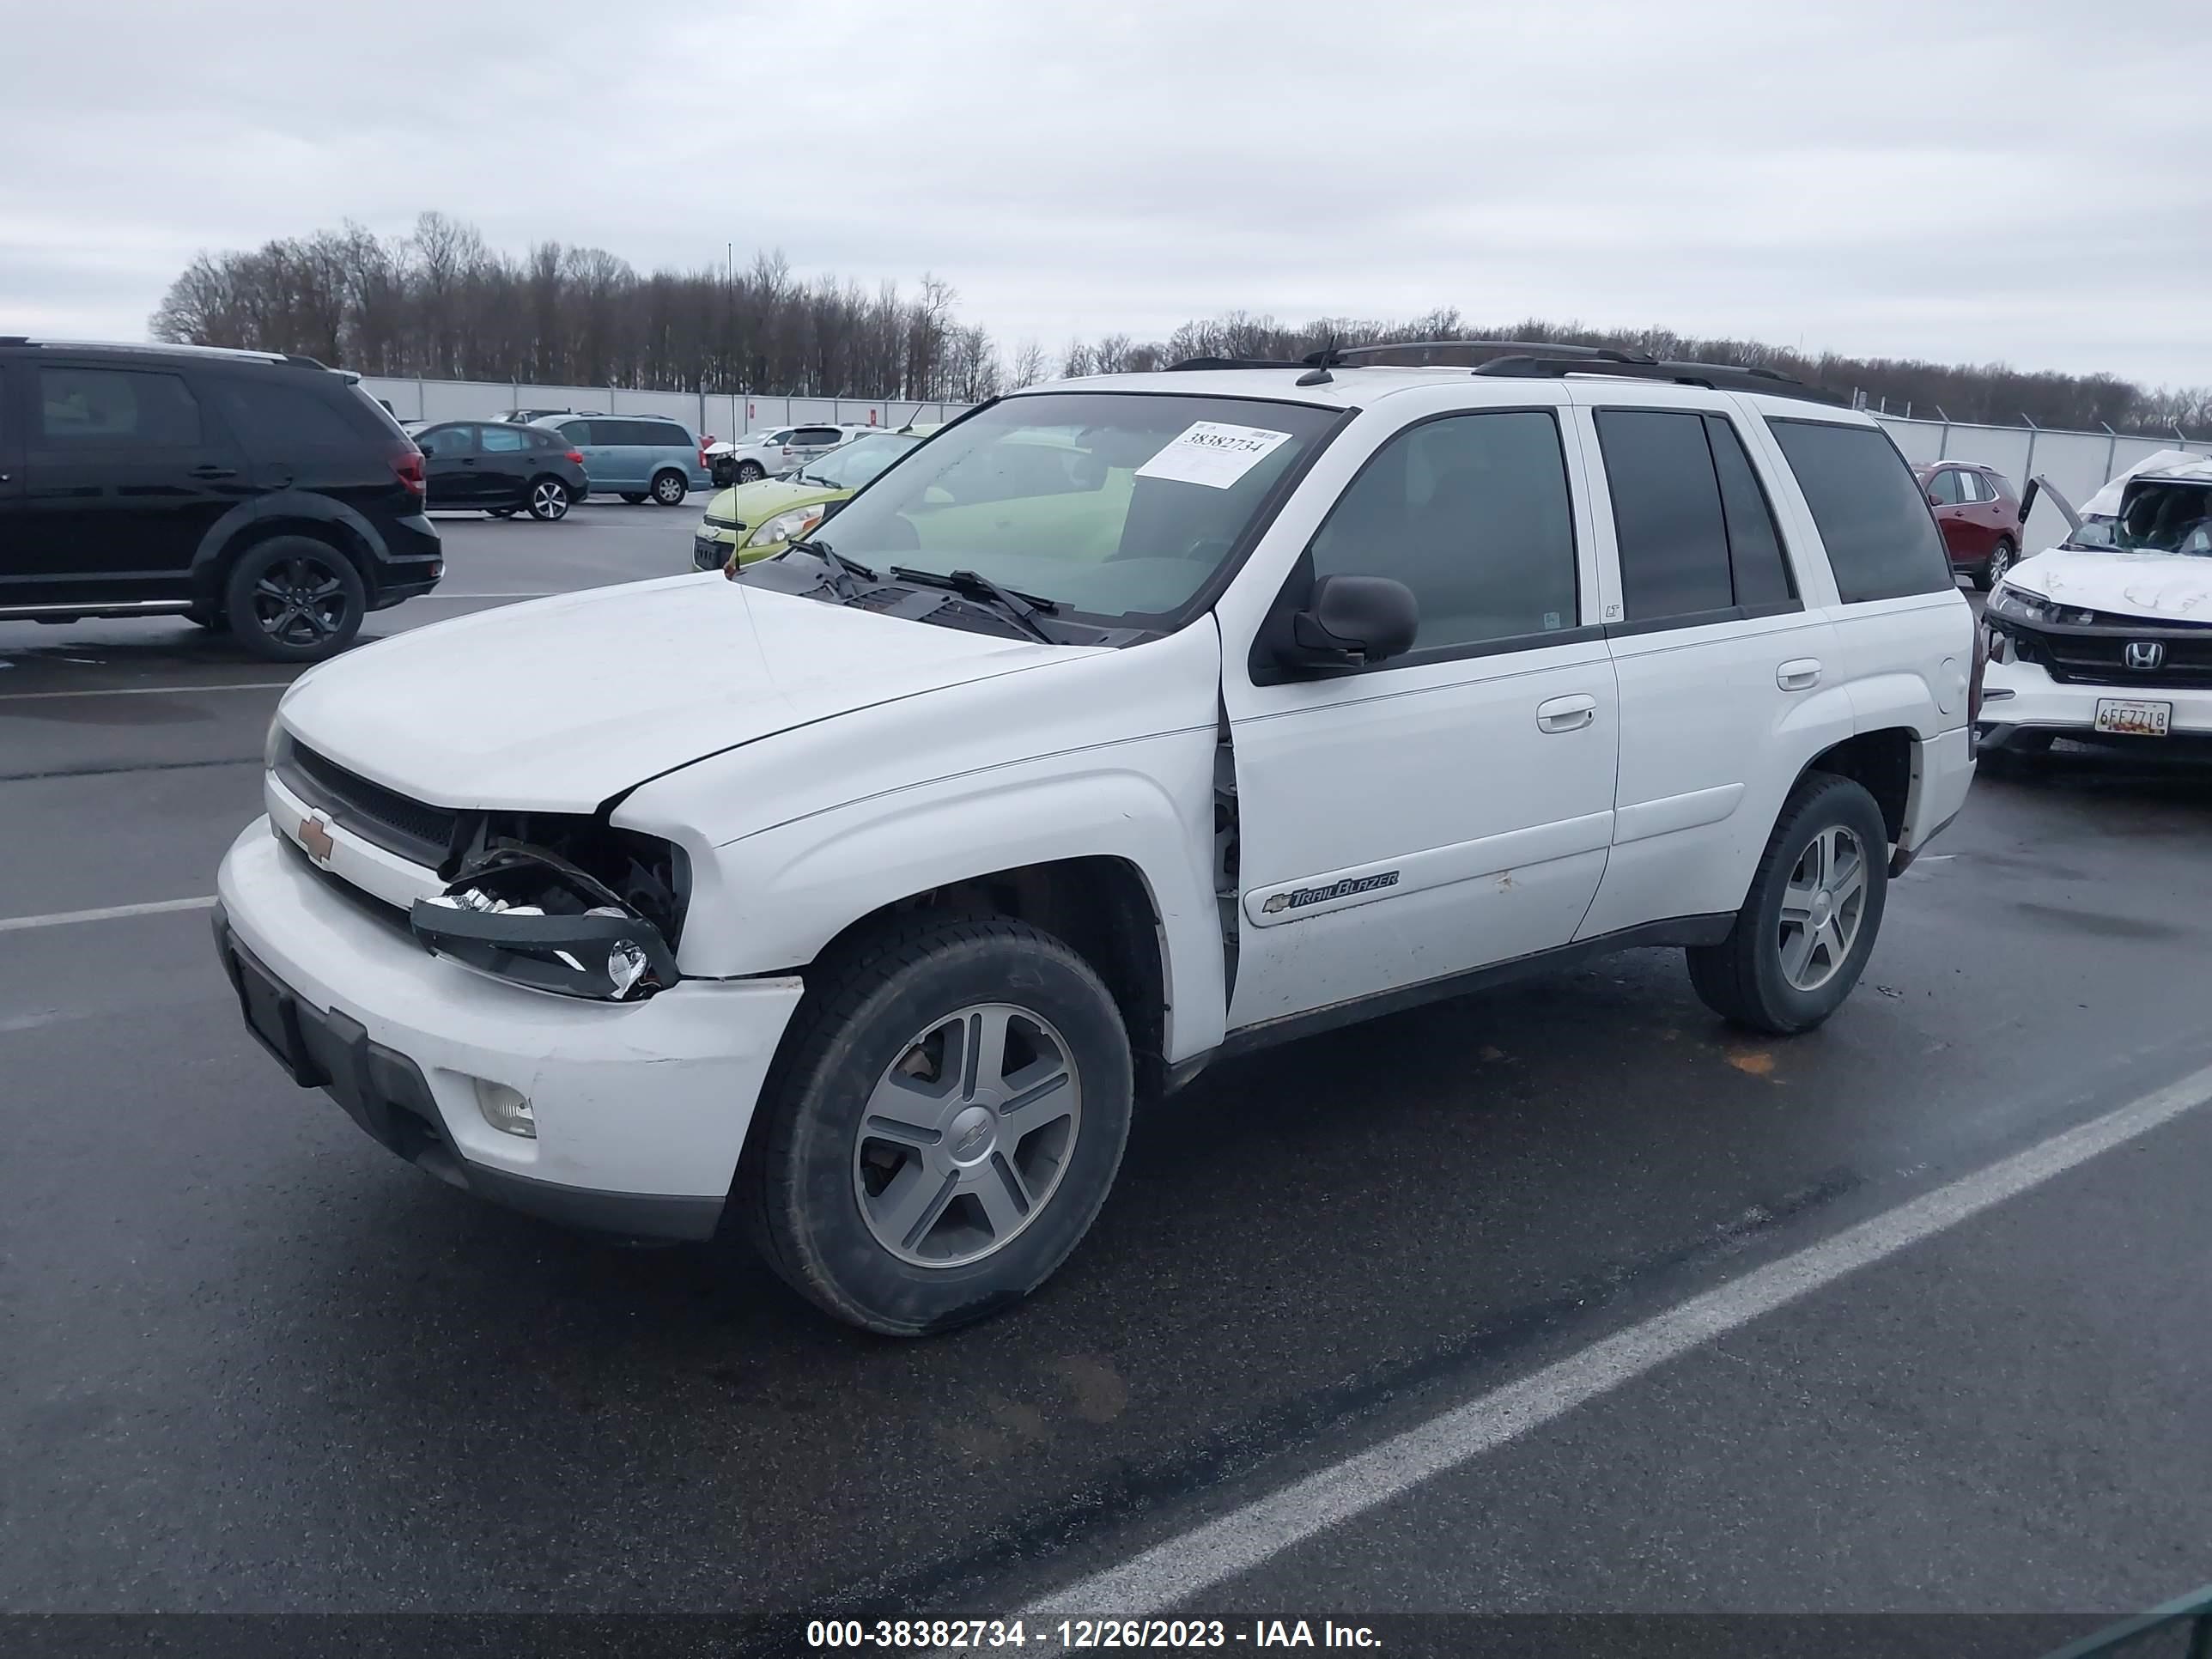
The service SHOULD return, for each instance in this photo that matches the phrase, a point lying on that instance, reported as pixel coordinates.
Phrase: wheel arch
(1099, 905)
(1882, 763)
(250, 523)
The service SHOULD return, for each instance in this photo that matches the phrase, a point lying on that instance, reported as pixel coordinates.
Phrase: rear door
(504, 465)
(125, 472)
(1719, 658)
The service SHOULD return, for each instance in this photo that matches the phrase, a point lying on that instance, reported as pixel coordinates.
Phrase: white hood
(559, 704)
(2164, 586)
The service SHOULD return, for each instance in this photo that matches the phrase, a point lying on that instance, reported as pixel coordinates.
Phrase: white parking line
(142, 690)
(106, 913)
(1168, 1574)
(548, 594)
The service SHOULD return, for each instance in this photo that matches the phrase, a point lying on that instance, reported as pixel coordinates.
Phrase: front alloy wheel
(943, 1121)
(966, 1135)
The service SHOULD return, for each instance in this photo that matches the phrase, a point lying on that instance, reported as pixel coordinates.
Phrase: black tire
(795, 1191)
(550, 499)
(634, 497)
(669, 488)
(1741, 979)
(2000, 558)
(293, 598)
(750, 473)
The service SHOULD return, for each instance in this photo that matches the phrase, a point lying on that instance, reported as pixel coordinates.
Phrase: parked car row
(544, 465)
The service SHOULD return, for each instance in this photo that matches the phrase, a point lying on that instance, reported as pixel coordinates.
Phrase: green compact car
(758, 520)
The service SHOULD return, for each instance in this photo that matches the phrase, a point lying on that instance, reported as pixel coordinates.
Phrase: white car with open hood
(1128, 724)
(2107, 637)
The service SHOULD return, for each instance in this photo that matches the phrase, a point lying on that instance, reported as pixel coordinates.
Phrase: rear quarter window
(1870, 511)
(276, 418)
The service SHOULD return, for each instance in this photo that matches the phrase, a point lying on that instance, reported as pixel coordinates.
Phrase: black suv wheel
(292, 599)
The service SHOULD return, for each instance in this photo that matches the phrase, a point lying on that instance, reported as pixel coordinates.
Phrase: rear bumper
(640, 1110)
(412, 563)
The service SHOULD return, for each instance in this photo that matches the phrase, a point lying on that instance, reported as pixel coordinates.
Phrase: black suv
(262, 493)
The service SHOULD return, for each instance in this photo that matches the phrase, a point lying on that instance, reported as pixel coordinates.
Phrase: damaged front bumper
(639, 1110)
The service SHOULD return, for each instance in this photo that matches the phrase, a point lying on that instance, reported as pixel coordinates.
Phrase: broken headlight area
(524, 912)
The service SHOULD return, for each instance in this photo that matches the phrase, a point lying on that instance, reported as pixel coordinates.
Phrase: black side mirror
(1352, 621)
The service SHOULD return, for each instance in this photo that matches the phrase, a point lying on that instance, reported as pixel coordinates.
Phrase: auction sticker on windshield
(1213, 453)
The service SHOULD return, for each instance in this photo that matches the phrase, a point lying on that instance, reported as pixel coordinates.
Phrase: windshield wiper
(845, 577)
(1023, 609)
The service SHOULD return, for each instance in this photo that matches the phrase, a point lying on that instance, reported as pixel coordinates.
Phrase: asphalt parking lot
(248, 1361)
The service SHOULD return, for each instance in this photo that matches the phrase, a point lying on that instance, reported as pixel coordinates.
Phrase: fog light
(505, 1110)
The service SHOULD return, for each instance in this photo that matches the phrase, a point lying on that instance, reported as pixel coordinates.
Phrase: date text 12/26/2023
(1074, 1635)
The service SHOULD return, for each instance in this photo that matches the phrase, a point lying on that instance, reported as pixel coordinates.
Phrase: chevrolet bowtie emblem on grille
(2146, 654)
(315, 836)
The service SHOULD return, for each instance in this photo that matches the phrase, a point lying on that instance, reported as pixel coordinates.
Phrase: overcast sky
(2029, 181)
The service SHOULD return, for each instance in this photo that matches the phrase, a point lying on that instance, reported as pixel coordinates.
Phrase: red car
(1978, 515)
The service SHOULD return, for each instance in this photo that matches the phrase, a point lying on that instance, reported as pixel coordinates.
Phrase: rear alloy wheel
(1808, 924)
(668, 489)
(2000, 558)
(295, 599)
(750, 473)
(944, 1122)
(549, 501)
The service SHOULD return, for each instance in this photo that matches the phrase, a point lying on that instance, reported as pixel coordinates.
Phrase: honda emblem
(2146, 654)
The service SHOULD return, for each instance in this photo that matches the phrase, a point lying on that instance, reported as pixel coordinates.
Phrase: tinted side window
(274, 419)
(1666, 514)
(445, 440)
(1755, 556)
(1470, 511)
(117, 407)
(817, 437)
(580, 432)
(1871, 514)
(1944, 487)
(501, 440)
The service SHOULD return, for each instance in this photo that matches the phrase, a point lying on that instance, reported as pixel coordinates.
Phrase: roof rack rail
(1714, 377)
(1235, 362)
(1333, 356)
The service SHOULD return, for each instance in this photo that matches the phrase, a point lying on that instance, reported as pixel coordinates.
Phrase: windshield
(2157, 515)
(857, 462)
(1119, 505)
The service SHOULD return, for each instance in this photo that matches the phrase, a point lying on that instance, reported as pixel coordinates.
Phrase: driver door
(1451, 808)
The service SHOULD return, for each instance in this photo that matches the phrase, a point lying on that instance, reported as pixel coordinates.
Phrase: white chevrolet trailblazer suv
(1126, 724)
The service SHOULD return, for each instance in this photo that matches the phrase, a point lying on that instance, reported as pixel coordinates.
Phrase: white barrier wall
(709, 414)
(2078, 463)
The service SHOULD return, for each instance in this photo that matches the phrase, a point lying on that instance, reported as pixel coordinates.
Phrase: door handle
(1565, 713)
(211, 470)
(1799, 674)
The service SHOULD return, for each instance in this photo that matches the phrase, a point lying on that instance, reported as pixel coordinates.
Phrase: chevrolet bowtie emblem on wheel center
(2146, 654)
(315, 836)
